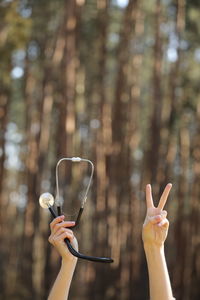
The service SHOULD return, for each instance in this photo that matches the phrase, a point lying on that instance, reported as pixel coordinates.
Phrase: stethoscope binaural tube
(72, 159)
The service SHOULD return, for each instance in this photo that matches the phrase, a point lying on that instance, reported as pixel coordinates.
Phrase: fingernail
(160, 224)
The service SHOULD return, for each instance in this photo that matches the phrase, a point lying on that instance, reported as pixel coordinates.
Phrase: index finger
(58, 222)
(149, 199)
(165, 194)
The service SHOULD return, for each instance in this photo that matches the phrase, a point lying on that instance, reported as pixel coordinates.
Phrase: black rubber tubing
(90, 258)
(78, 254)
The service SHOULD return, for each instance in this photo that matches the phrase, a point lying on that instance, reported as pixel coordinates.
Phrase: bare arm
(60, 231)
(154, 233)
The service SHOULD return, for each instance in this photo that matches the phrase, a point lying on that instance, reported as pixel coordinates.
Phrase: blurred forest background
(117, 82)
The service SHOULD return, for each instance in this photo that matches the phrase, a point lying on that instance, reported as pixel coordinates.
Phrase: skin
(59, 231)
(154, 233)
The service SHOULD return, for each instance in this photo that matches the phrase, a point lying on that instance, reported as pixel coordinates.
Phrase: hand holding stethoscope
(46, 200)
(61, 230)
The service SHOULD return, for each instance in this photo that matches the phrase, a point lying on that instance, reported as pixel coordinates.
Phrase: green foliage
(14, 34)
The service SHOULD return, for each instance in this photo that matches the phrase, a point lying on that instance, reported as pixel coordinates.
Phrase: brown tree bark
(157, 98)
(67, 63)
(121, 198)
(4, 104)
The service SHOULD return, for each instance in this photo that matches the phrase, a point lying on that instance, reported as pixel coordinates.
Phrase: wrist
(66, 261)
(153, 247)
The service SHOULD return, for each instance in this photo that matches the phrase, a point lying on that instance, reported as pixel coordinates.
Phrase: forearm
(159, 281)
(60, 289)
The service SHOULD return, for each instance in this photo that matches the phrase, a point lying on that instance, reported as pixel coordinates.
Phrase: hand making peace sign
(155, 227)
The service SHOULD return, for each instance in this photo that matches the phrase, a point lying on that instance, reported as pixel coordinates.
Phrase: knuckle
(56, 242)
(51, 240)
(56, 239)
(68, 235)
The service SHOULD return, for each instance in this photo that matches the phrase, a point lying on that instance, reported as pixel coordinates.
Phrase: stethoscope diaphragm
(46, 200)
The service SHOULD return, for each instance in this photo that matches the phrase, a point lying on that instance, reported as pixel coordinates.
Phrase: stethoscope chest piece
(46, 200)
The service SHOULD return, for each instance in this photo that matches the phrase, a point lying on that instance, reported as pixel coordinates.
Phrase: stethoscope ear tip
(46, 200)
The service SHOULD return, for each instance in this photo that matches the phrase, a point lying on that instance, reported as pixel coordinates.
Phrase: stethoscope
(46, 200)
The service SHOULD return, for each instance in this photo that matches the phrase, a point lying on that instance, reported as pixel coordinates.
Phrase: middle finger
(164, 196)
